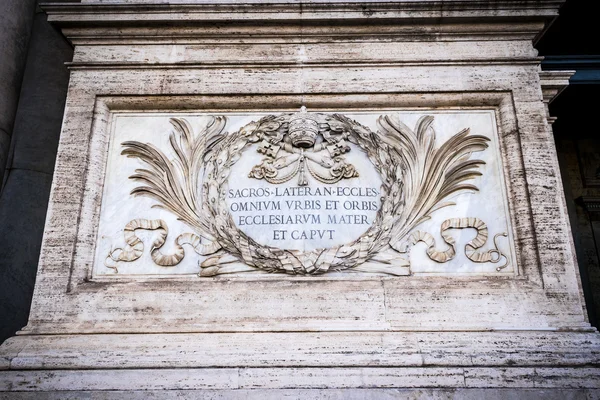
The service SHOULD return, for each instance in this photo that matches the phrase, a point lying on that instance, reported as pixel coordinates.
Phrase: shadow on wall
(30, 158)
(578, 145)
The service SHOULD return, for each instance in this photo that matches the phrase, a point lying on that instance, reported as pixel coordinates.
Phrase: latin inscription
(324, 214)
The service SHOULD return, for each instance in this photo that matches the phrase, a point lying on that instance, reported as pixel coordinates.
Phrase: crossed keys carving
(325, 162)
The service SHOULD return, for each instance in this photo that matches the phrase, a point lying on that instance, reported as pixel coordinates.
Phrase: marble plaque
(304, 193)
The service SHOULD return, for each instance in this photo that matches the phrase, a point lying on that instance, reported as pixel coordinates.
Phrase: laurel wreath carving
(417, 177)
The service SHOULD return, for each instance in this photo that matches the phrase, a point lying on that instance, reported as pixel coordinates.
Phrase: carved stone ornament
(417, 176)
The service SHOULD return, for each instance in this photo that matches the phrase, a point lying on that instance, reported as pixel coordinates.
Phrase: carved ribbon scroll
(494, 255)
(135, 247)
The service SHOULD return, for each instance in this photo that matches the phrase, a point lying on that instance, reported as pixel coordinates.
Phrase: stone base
(329, 394)
(231, 365)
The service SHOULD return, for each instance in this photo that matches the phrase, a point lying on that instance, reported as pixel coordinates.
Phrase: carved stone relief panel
(305, 193)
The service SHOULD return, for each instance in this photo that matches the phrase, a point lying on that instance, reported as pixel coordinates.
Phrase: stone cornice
(316, 11)
(553, 83)
(587, 67)
(411, 19)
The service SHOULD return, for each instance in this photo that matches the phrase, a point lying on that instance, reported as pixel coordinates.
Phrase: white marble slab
(312, 211)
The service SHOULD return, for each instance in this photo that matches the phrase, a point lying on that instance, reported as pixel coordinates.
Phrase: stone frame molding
(527, 285)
